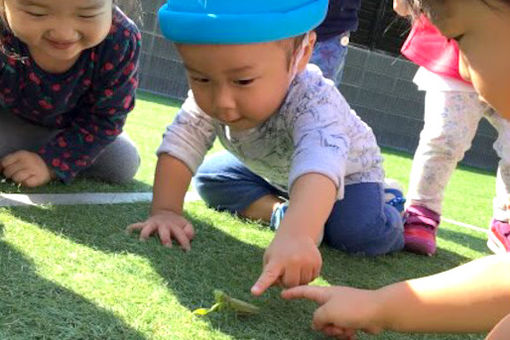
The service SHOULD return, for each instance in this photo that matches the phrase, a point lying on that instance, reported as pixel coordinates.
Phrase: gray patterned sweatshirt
(314, 131)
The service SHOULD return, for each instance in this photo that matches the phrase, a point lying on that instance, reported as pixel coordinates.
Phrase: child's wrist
(381, 311)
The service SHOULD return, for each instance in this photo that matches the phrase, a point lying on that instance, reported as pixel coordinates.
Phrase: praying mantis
(225, 302)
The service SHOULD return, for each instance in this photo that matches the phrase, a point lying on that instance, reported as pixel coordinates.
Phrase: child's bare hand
(290, 260)
(342, 310)
(401, 7)
(26, 168)
(169, 225)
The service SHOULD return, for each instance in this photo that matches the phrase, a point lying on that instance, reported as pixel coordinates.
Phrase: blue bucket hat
(239, 21)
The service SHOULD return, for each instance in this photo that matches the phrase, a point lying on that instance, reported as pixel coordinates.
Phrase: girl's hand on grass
(342, 310)
(26, 168)
(169, 225)
(290, 260)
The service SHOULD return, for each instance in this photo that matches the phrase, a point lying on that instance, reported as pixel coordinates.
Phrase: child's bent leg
(363, 223)
(451, 120)
(225, 183)
(117, 163)
(17, 134)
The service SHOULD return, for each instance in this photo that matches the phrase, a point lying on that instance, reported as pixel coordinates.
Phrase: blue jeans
(359, 223)
(330, 55)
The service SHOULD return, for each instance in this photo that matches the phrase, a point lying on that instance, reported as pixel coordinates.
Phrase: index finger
(314, 293)
(269, 276)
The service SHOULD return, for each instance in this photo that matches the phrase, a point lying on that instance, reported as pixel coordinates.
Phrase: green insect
(225, 302)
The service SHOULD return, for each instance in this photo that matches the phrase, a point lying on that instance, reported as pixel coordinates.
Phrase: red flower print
(56, 87)
(33, 77)
(87, 82)
(89, 138)
(45, 105)
(108, 92)
(108, 66)
(129, 69)
(64, 167)
(55, 162)
(127, 102)
(62, 142)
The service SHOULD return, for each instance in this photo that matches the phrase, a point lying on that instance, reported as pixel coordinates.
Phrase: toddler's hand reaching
(26, 168)
(342, 310)
(169, 225)
(290, 260)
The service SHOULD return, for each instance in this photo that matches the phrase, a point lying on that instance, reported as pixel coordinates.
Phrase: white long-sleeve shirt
(314, 131)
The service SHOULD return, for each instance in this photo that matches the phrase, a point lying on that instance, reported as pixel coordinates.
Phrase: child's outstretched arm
(469, 298)
(171, 182)
(293, 257)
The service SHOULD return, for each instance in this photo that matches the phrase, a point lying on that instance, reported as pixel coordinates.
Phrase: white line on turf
(11, 200)
(465, 225)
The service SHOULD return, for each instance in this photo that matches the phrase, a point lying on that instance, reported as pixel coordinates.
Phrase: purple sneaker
(499, 237)
(420, 228)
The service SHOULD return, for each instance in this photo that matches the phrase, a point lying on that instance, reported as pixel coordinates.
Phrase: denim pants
(360, 223)
(330, 55)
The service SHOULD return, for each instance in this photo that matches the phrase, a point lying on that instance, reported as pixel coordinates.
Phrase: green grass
(70, 272)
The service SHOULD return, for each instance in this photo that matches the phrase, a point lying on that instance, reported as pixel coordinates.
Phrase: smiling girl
(68, 74)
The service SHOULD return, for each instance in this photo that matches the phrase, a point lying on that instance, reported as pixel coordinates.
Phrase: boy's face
(239, 85)
(483, 32)
(55, 31)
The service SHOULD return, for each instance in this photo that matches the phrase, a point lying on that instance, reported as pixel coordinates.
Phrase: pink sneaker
(499, 237)
(420, 228)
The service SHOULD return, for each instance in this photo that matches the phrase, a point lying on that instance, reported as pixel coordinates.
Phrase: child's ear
(308, 51)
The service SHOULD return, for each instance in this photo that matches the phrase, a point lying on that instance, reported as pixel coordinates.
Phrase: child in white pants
(452, 113)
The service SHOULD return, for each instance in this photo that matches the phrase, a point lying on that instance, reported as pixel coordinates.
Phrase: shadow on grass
(219, 260)
(32, 307)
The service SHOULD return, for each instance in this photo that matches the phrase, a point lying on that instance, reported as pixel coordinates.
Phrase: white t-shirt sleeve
(189, 136)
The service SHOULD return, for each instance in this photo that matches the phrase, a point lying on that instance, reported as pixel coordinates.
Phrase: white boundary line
(13, 200)
(465, 225)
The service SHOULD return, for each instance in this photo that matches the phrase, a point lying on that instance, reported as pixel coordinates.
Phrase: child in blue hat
(296, 155)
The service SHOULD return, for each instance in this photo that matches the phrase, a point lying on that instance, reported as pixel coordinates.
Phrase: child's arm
(501, 331)
(170, 185)
(469, 298)
(293, 257)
